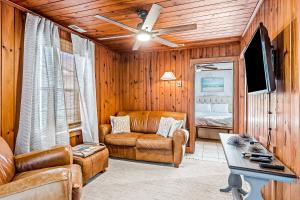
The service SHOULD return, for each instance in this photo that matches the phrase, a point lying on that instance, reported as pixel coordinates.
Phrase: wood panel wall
(281, 17)
(11, 37)
(141, 88)
(108, 81)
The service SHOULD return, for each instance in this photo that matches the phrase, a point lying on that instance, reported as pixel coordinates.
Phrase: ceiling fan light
(143, 36)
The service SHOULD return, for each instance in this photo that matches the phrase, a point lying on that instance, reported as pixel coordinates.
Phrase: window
(71, 87)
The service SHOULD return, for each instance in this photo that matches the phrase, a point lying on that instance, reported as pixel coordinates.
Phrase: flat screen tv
(259, 62)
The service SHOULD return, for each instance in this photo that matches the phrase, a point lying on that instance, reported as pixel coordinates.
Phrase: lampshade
(168, 76)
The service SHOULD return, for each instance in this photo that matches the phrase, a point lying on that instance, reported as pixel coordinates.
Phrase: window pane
(70, 83)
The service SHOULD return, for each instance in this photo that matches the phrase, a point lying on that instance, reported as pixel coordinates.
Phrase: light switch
(178, 83)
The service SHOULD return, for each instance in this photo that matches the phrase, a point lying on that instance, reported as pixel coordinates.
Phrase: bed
(214, 119)
(213, 114)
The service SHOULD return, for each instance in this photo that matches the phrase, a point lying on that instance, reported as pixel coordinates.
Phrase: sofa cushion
(165, 125)
(120, 124)
(155, 116)
(154, 141)
(177, 124)
(138, 120)
(125, 139)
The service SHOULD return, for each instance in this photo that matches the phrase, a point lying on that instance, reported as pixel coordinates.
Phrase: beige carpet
(130, 180)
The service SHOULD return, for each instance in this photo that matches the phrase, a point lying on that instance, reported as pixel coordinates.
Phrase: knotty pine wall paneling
(142, 89)
(108, 82)
(281, 17)
(11, 34)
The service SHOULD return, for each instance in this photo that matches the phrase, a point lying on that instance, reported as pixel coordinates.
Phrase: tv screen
(259, 65)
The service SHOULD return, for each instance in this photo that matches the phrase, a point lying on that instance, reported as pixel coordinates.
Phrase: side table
(93, 164)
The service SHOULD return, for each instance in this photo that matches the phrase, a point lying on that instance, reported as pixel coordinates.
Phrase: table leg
(234, 181)
(256, 184)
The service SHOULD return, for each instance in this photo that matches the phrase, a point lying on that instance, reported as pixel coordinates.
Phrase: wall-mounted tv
(259, 62)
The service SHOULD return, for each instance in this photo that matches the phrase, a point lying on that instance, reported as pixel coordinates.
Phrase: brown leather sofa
(42, 175)
(143, 143)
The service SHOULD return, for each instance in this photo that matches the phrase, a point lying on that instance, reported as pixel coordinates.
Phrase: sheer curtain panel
(43, 121)
(84, 52)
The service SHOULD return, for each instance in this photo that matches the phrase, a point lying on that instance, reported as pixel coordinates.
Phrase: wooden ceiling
(215, 18)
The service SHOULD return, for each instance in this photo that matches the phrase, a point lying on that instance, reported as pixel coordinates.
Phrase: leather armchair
(47, 174)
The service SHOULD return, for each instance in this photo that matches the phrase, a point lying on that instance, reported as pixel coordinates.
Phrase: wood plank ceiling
(215, 18)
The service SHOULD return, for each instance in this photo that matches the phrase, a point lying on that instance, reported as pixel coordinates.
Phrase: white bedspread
(213, 119)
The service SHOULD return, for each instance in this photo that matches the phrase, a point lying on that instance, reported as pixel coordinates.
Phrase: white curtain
(84, 52)
(43, 121)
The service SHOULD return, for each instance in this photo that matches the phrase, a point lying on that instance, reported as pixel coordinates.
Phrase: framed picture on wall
(212, 84)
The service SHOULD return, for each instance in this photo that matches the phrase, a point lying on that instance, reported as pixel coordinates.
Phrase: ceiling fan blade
(117, 23)
(173, 29)
(136, 45)
(116, 37)
(207, 66)
(151, 17)
(165, 42)
(210, 68)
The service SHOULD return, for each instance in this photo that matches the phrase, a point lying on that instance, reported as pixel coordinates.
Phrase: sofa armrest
(52, 184)
(104, 129)
(56, 156)
(180, 138)
(181, 135)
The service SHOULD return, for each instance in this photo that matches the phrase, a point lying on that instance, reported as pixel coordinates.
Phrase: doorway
(235, 97)
(213, 99)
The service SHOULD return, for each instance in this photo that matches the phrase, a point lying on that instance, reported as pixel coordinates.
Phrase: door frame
(193, 62)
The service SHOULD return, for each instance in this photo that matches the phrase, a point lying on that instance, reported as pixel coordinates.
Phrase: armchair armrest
(51, 184)
(56, 156)
(180, 138)
(104, 129)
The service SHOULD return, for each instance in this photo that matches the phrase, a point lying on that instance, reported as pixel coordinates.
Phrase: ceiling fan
(206, 67)
(144, 31)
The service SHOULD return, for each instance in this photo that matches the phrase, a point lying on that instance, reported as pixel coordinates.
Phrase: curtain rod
(57, 24)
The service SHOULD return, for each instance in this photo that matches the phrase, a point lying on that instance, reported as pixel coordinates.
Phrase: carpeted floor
(134, 180)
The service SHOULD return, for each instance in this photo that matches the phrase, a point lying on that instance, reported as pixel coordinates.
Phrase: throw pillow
(165, 126)
(204, 107)
(175, 125)
(219, 108)
(120, 124)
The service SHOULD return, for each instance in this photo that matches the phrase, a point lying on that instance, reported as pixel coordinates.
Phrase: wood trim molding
(258, 5)
(190, 45)
(191, 94)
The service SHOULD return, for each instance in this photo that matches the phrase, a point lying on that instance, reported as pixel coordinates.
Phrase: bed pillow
(204, 107)
(120, 124)
(165, 125)
(175, 125)
(219, 108)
